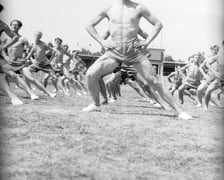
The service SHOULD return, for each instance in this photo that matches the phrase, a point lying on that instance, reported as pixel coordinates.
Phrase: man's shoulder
(3, 25)
(42, 43)
(23, 39)
(107, 8)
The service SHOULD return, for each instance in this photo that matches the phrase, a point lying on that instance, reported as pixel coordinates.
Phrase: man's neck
(37, 41)
(16, 33)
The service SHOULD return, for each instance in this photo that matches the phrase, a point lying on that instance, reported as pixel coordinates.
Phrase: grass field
(130, 139)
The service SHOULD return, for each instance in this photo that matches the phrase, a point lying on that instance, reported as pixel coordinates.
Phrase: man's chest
(123, 15)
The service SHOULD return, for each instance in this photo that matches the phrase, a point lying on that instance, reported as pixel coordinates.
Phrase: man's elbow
(89, 26)
(159, 25)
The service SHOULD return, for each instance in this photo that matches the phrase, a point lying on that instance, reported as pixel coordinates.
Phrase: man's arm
(67, 54)
(142, 33)
(48, 48)
(201, 69)
(13, 37)
(30, 54)
(184, 67)
(91, 27)
(213, 60)
(106, 35)
(154, 21)
(170, 76)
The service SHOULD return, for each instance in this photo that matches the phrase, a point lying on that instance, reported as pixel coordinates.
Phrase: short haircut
(1, 7)
(18, 21)
(75, 51)
(58, 39)
(39, 32)
(214, 47)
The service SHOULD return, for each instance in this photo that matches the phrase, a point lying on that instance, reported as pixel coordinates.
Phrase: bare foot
(52, 95)
(90, 108)
(34, 97)
(16, 102)
(112, 100)
(206, 108)
(105, 102)
(157, 105)
(66, 93)
(199, 105)
(184, 116)
(78, 93)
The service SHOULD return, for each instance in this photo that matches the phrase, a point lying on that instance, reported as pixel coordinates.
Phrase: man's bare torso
(193, 72)
(16, 50)
(123, 21)
(40, 52)
(58, 56)
(220, 63)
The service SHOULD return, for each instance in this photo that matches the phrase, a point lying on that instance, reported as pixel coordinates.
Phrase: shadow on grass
(145, 114)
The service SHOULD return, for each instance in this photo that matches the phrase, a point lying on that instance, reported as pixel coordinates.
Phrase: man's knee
(91, 75)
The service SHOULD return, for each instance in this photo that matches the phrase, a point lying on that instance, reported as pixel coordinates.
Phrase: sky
(189, 26)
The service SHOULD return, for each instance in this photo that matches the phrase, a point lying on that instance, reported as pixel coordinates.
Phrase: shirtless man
(3, 84)
(219, 74)
(176, 79)
(208, 76)
(40, 62)
(129, 76)
(124, 17)
(192, 80)
(10, 66)
(77, 70)
(57, 62)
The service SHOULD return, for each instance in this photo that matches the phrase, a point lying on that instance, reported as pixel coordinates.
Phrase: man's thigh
(102, 66)
(214, 85)
(146, 72)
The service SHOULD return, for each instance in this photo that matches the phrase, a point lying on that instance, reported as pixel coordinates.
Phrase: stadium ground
(129, 139)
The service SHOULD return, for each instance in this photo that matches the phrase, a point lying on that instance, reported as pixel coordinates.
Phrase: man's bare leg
(212, 87)
(103, 91)
(28, 76)
(6, 89)
(21, 83)
(94, 73)
(60, 85)
(143, 68)
(181, 93)
(200, 93)
(135, 86)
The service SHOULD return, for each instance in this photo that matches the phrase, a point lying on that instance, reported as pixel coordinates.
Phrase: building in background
(156, 58)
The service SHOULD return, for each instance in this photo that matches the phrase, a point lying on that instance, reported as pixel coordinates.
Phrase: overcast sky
(189, 25)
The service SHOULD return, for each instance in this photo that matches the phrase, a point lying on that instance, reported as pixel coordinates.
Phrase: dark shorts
(222, 83)
(41, 67)
(6, 67)
(192, 83)
(127, 73)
